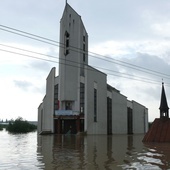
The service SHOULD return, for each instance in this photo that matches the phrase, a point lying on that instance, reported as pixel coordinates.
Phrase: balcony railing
(66, 113)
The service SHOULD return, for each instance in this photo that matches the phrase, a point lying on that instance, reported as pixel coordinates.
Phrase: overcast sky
(122, 31)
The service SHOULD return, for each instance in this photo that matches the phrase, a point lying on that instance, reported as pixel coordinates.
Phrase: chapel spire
(164, 109)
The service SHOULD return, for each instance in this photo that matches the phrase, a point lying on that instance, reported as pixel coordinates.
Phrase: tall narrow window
(84, 38)
(84, 48)
(109, 116)
(82, 98)
(95, 105)
(66, 44)
(56, 102)
(130, 120)
(84, 55)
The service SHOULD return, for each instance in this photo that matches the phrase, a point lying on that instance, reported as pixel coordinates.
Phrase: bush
(1, 128)
(20, 126)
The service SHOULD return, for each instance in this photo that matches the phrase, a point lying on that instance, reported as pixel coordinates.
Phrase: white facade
(72, 56)
(95, 79)
(46, 108)
(79, 99)
(139, 118)
(119, 111)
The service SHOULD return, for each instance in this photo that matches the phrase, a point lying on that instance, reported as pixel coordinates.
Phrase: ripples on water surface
(19, 152)
(57, 152)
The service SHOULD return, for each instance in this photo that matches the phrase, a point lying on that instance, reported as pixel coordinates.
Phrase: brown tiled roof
(159, 131)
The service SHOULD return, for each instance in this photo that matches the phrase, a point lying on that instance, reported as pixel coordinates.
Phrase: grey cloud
(147, 91)
(40, 65)
(33, 17)
(24, 85)
(104, 64)
(154, 92)
(28, 86)
(125, 19)
(112, 20)
(150, 62)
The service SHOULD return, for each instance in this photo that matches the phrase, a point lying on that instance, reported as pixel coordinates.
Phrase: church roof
(159, 131)
(163, 104)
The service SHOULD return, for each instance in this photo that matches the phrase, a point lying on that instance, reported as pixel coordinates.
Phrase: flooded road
(63, 152)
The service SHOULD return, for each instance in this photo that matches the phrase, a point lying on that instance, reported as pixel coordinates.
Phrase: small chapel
(160, 129)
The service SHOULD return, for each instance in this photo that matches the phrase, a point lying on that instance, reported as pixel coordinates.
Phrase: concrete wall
(40, 114)
(71, 64)
(139, 119)
(146, 120)
(95, 78)
(119, 113)
(48, 103)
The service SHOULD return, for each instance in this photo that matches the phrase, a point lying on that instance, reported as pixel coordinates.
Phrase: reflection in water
(57, 152)
(149, 156)
(101, 152)
(18, 151)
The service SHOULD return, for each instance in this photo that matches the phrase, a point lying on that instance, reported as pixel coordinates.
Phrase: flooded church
(79, 98)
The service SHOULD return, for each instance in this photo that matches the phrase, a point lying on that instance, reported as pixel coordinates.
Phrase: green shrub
(1, 128)
(20, 126)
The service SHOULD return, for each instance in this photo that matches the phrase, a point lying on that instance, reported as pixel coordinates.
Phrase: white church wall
(146, 120)
(95, 79)
(138, 118)
(71, 64)
(119, 113)
(48, 103)
(129, 104)
(40, 118)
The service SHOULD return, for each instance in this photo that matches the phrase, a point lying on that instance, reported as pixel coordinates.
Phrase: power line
(16, 48)
(28, 33)
(115, 61)
(111, 74)
(73, 61)
(108, 59)
(76, 48)
(27, 36)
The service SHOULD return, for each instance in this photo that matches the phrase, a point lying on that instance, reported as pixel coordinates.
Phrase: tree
(20, 126)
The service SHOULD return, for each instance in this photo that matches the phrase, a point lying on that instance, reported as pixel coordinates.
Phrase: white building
(79, 99)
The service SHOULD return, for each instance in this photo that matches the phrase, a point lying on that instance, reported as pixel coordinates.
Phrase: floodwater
(92, 152)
